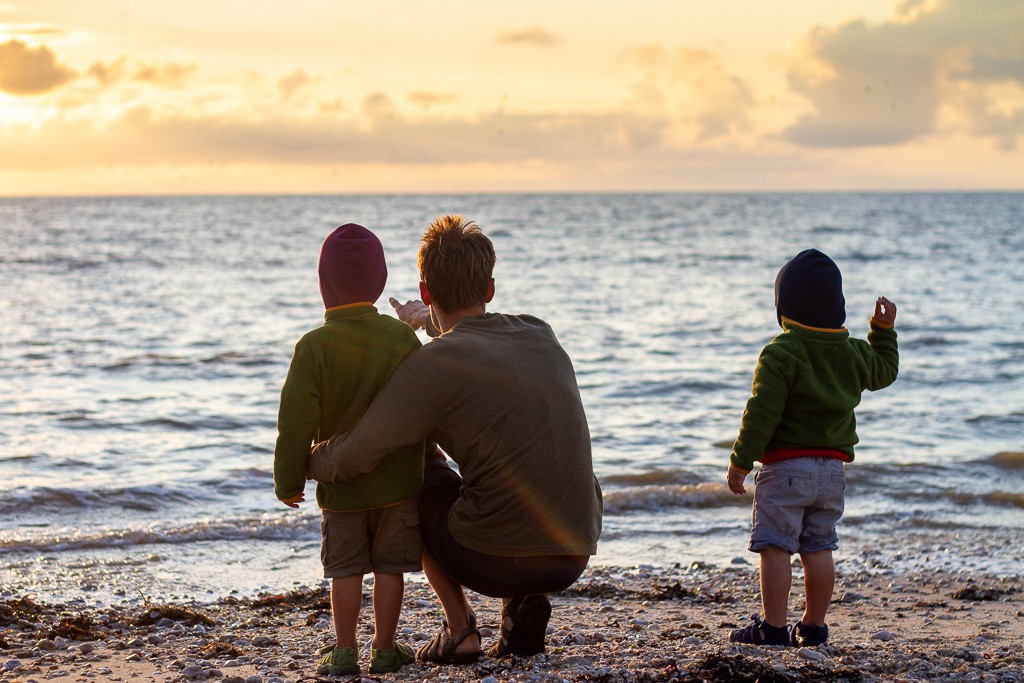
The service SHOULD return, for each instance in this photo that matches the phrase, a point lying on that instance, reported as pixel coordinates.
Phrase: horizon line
(172, 195)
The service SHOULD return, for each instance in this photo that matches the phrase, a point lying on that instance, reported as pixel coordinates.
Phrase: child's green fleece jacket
(335, 373)
(807, 383)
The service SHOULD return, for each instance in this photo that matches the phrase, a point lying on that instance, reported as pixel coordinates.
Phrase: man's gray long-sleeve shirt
(499, 395)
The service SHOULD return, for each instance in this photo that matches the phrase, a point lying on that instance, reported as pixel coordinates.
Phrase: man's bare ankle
(470, 644)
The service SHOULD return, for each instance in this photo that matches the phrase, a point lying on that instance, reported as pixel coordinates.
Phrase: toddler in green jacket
(370, 523)
(799, 423)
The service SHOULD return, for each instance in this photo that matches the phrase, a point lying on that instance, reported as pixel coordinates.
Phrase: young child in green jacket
(370, 523)
(799, 422)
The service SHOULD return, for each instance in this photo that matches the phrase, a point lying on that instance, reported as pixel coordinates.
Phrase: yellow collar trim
(344, 306)
(790, 321)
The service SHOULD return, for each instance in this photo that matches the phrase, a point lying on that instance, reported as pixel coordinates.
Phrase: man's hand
(294, 501)
(885, 311)
(736, 478)
(413, 313)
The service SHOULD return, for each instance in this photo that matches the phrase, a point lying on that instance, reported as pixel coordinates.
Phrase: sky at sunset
(325, 96)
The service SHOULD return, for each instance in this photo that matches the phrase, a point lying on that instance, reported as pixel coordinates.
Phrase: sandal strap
(508, 621)
(454, 641)
(441, 648)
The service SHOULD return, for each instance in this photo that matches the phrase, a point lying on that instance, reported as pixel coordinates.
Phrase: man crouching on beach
(499, 395)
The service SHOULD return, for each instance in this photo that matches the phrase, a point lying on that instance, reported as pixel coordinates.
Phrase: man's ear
(490, 291)
(424, 293)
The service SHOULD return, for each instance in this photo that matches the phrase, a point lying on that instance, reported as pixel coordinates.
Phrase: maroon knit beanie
(352, 266)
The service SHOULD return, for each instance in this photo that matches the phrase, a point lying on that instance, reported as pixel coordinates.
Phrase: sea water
(144, 341)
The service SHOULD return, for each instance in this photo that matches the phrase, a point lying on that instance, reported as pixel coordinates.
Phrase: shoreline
(615, 624)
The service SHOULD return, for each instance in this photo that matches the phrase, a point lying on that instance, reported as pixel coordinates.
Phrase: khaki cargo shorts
(382, 541)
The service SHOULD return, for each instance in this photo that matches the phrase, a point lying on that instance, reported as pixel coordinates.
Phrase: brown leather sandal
(441, 648)
(531, 626)
(524, 623)
(503, 646)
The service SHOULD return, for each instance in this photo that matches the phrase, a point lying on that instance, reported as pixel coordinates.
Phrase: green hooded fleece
(335, 373)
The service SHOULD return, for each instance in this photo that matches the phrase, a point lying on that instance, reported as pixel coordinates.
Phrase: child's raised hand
(736, 477)
(885, 311)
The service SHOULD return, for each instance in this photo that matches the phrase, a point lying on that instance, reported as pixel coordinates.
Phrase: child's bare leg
(776, 577)
(388, 590)
(346, 599)
(819, 580)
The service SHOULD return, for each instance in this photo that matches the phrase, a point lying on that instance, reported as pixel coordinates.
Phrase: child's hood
(352, 266)
(809, 290)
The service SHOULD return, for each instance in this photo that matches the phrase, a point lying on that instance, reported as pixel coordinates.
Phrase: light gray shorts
(382, 540)
(797, 504)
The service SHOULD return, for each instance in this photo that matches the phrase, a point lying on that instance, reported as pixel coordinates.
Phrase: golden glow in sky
(126, 97)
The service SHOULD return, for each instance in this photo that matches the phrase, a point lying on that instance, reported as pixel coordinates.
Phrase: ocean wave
(210, 423)
(704, 495)
(63, 263)
(652, 477)
(943, 528)
(156, 360)
(70, 463)
(1007, 460)
(1007, 419)
(965, 498)
(882, 475)
(241, 479)
(926, 341)
(24, 457)
(45, 498)
(864, 257)
(645, 390)
(236, 358)
(1005, 498)
(284, 527)
(828, 230)
(149, 360)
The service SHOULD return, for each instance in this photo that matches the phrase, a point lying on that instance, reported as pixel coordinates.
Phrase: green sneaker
(388, 661)
(338, 661)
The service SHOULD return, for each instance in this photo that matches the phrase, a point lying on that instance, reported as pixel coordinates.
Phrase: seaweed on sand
(19, 610)
(655, 592)
(312, 598)
(154, 613)
(212, 650)
(79, 627)
(738, 668)
(976, 594)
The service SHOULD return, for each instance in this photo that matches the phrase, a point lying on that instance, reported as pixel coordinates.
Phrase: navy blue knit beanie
(809, 290)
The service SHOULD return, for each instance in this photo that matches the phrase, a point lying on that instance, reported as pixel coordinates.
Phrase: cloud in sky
(719, 101)
(335, 106)
(892, 82)
(292, 82)
(165, 74)
(536, 36)
(382, 135)
(691, 88)
(426, 100)
(35, 31)
(28, 70)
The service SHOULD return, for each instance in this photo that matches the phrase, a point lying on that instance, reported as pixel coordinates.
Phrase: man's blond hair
(456, 260)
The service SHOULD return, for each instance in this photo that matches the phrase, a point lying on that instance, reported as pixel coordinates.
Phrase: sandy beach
(635, 624)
